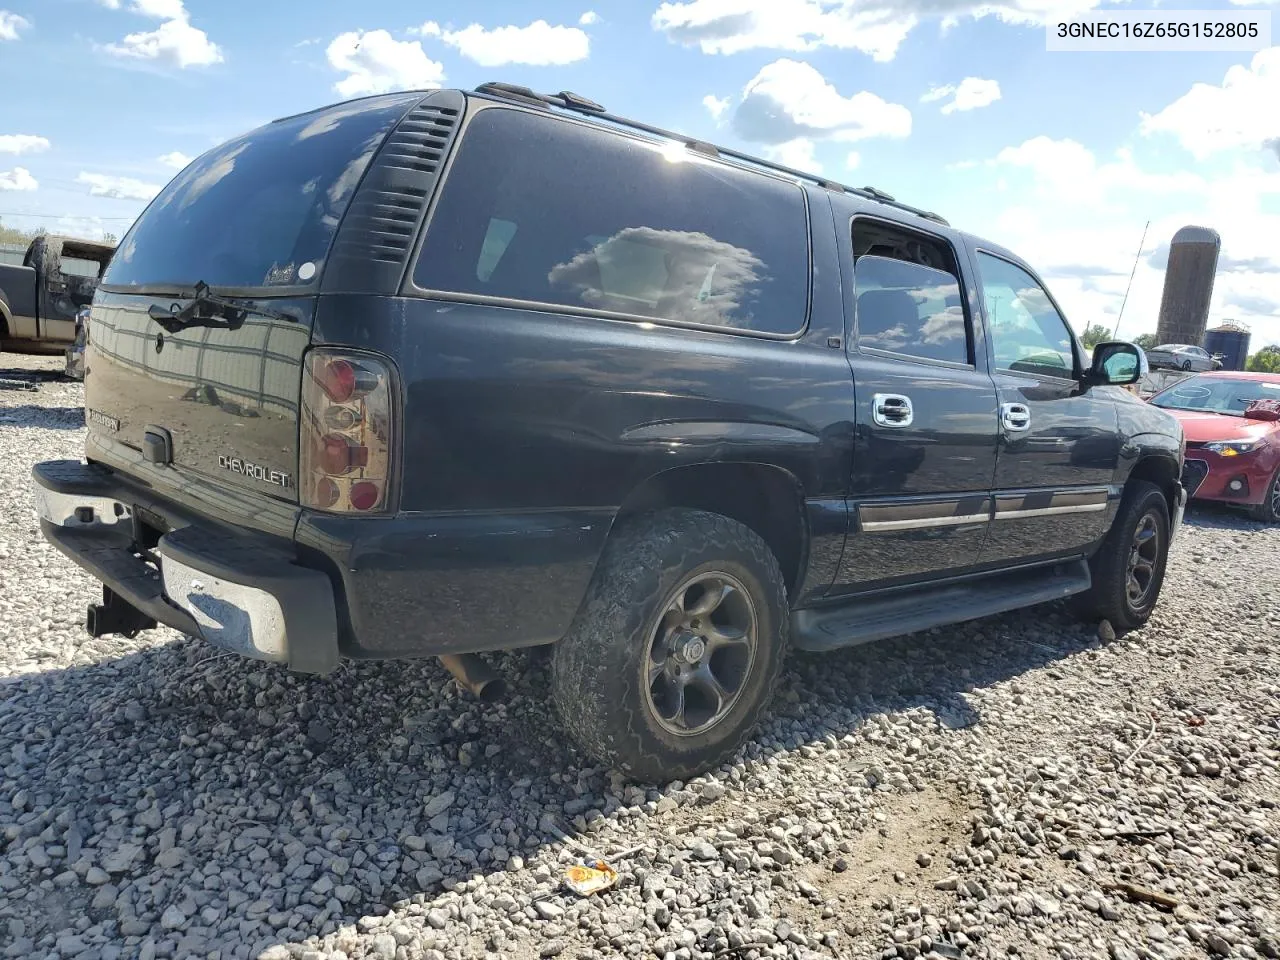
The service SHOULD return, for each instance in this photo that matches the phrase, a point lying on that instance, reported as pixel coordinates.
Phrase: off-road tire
(1108, 597)
(1268, 511)
(596, 667)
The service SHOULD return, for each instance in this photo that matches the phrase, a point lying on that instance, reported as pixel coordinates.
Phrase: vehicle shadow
(266, 808)
(43, 418)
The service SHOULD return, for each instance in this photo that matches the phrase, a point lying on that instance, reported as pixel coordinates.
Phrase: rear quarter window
(545, 211)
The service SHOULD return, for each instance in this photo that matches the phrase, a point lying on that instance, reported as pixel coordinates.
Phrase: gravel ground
(1020, 785)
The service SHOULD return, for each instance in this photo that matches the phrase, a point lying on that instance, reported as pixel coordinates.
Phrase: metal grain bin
(1188, 285)
(1232, 343)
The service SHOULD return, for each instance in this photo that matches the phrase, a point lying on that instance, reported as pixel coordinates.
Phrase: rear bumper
(237, 590)
(411, 585)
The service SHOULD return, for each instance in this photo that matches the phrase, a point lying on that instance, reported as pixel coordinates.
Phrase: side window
(1027, 332)
(547, 211)
(908, 295)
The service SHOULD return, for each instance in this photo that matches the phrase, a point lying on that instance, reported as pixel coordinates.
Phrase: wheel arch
(765, 498)
(1161, 469)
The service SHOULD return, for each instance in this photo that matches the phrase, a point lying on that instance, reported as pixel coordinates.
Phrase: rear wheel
(1268, 511)
(1128, 569)
(1186, 364)
(674, 655)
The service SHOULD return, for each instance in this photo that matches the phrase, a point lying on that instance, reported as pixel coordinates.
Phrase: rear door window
(262, 209)
(545, 211)
(908, 296)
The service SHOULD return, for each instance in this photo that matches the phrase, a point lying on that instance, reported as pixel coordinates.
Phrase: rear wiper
(206, 309)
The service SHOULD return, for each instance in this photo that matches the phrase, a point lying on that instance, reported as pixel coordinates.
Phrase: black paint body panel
(525, 430)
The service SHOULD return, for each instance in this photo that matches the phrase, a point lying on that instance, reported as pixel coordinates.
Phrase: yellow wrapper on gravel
(585, 880)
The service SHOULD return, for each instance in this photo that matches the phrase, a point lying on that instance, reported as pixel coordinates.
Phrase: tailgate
(228, 398)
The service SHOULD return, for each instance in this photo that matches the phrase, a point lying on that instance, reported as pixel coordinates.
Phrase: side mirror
(1116, 364)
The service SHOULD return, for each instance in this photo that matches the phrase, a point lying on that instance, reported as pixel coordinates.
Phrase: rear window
(260, 210)
(549, 212)
(79, 267)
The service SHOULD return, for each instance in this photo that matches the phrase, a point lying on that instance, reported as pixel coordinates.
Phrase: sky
(951, 105)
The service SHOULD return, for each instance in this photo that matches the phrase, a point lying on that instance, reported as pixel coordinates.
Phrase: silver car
(1180, 356)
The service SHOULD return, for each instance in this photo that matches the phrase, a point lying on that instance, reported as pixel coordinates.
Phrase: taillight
(346, 433)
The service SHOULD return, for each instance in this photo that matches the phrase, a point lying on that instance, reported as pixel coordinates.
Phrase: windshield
(261, 210)
(1216, 395)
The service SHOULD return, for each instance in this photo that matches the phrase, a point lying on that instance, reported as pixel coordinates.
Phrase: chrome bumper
(237, 591)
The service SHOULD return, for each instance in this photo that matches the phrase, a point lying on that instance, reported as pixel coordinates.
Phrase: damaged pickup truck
(40, 299)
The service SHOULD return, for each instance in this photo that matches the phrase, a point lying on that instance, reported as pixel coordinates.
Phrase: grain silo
(1188, 285)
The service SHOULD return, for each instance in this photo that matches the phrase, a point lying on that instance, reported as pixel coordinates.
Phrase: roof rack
(567, 100)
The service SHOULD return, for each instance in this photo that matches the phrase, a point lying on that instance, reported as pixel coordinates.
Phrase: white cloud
(10, 24)
(1079, 218)
(539, 44)
(789, 100)
(175, 160)
(22, 143)
(970, 94)
(160, 9)
(376, 63)
(853, 160)
(731, 26)
(110, 4)
(174, 41)
(1058, 162)
(1241, 113)
(716, 106)
(876, 28)
(119, 188)
(797, 154)
(90, 228)
(1069, 169)
(590, 17)
(19, 178)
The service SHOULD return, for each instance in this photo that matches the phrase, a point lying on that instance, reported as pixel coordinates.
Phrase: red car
(1232, 425)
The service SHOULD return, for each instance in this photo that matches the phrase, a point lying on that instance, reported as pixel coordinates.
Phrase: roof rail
(567, 100)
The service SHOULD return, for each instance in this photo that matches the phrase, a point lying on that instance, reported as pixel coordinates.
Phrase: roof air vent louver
(375, 240)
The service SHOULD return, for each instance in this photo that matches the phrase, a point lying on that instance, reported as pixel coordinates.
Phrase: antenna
(1116, 332)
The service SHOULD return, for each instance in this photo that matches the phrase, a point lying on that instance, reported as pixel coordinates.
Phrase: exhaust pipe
(475, 676)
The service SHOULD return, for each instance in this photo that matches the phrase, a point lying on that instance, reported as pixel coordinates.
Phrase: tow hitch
(115, 615)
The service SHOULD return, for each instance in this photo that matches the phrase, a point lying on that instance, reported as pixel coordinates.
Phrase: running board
(865, 620)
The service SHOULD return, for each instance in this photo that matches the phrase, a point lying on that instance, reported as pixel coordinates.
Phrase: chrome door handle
(1015, 417)
(892, 410)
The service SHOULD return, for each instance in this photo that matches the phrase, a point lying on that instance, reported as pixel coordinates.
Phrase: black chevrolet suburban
(439, 373)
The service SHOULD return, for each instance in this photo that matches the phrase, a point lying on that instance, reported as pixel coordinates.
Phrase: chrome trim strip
(920, 523)
(1050, 511)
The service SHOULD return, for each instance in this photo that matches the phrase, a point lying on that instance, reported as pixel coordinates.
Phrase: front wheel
(1268, 511)
(1186, 365)
(674, 654)
(1128, 569)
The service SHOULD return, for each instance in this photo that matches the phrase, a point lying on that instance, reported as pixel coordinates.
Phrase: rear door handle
(1015, 417)
(892, 410)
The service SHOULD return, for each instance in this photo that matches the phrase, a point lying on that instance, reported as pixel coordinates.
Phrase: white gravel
(977, 791)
